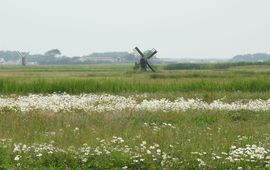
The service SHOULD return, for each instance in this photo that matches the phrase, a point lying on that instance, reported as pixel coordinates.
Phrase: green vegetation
(209, 66)
(122, 85)
(234, 83)
(195, 139)
(209, 132)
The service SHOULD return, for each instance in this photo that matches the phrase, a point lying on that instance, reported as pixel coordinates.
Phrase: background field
(178, 134)
(233, 83)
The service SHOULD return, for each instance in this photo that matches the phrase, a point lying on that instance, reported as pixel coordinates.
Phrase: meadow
(110, 117)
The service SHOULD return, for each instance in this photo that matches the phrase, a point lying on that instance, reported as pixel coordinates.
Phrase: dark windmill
(143, 64)
(23, 56)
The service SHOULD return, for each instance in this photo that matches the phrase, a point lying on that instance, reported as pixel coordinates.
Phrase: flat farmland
(110, 117)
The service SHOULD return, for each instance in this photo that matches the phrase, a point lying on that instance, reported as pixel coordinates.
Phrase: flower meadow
(113, 103)
(131, 156)
(117, 153)
(109, 117)
(102, 131)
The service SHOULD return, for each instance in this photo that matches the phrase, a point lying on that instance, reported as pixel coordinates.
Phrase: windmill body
(144, 64)
(23, 61)
(23, 57)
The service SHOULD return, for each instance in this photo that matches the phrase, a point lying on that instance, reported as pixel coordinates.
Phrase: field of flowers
(111, 103)
(134, 130)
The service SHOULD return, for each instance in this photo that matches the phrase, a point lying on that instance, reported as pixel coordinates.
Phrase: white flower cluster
(156, 127)
(38, 149)
(137, 154)
(250, 153)
(111, 103)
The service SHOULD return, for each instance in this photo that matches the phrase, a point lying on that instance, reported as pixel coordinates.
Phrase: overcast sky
(176, 28)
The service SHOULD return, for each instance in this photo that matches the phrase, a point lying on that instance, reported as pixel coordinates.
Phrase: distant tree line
(55, 56)
(210, 66)
(258, 57)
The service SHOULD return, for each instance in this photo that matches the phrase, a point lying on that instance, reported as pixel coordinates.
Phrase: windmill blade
(152, 54)
(20, 54)
(139, 51)
(150, 67)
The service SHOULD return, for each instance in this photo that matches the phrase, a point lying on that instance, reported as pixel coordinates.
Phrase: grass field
(123, 137)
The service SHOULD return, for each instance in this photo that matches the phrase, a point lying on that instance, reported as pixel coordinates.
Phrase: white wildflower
(124, 167)
(17, 157)
(148, 152)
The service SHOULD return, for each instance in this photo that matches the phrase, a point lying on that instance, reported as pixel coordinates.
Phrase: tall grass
(121, 80)
(76, 86)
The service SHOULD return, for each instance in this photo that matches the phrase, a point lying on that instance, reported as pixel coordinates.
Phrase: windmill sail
(154, 52)
(143, 64)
